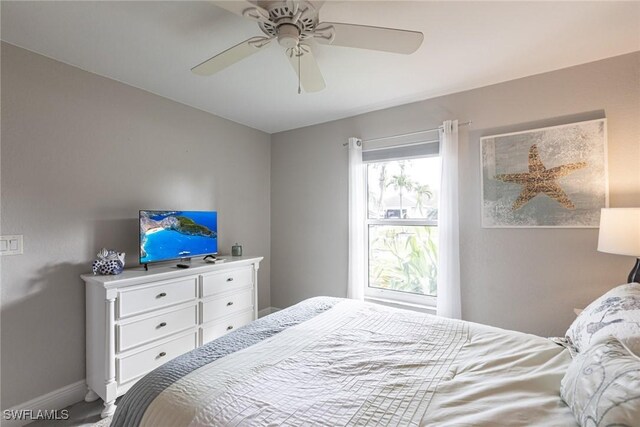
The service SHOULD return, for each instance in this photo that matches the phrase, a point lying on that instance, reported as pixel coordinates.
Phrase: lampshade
(620, 231)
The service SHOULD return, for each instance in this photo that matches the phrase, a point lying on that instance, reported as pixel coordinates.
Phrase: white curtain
(355, 284)
(449, 236)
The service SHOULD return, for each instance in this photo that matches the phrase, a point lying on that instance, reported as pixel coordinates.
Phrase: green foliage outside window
(402, 257)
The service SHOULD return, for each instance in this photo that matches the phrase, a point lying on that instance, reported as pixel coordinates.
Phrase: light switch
(11, 245)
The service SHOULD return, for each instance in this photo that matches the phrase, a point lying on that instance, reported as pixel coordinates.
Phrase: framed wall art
(548, 177)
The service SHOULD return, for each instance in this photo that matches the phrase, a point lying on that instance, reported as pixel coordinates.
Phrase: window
(402, 226)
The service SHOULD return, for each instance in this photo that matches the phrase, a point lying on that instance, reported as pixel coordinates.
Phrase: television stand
(194, 305)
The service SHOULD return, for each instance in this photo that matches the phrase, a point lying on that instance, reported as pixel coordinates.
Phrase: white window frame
(388, 295)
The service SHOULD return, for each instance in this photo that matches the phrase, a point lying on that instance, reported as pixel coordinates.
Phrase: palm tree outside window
(402, 227)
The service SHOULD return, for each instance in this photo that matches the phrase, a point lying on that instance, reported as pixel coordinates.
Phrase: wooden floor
(82, 414)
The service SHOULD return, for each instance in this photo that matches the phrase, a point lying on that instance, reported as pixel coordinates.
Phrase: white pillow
(602, 386)
(614, 314)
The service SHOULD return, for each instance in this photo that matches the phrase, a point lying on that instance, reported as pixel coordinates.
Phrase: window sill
(422, 308)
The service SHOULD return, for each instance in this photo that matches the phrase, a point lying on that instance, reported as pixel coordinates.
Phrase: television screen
(166, 235)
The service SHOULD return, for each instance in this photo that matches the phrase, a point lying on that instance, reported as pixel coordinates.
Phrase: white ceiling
(153, 45)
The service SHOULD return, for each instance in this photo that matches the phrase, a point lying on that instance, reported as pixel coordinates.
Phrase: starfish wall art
(540, 180)
(550, 177)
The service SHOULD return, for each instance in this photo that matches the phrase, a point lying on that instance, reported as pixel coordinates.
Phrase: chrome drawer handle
(162, 295)
(162, 325)
(230, 279)
(163, 354)
(229, 327)
(230, 303)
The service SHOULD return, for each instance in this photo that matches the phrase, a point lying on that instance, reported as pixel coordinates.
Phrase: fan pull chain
(299, 70)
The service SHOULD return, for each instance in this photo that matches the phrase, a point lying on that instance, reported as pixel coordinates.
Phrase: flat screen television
(169, 235)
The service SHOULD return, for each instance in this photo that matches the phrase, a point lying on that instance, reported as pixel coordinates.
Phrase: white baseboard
(267, 311)
(57, 399)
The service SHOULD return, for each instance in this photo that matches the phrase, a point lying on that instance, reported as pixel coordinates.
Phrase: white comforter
(362, 364)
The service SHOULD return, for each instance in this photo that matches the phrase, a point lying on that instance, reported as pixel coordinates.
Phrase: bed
(335, 362)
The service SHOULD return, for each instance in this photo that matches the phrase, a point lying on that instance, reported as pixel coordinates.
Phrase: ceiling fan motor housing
(302, 15)
(288, 35)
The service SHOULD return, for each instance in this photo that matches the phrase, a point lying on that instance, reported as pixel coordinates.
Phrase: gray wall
(524, 279)
(80, 155)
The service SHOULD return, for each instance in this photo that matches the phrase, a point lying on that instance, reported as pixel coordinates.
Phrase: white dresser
(138, 320)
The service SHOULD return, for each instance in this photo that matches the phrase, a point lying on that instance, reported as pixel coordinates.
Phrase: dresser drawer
(226, 305)
(217, 329)
(225, 281)
(152, 297)
(142, 331)
(138, 364)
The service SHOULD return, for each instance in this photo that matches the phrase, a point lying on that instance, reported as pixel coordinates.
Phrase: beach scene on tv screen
(166, 235)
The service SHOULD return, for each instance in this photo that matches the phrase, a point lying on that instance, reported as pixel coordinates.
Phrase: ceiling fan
(295, 25)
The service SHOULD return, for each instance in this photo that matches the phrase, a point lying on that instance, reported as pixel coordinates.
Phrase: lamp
(620, 234)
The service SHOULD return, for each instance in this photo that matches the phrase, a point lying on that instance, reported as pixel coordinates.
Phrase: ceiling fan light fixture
(288, 36)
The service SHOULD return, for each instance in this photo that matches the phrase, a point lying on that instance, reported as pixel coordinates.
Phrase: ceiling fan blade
(231, 56)
(306, 68)
(366, 37)
(245, 9)
(317, 4)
